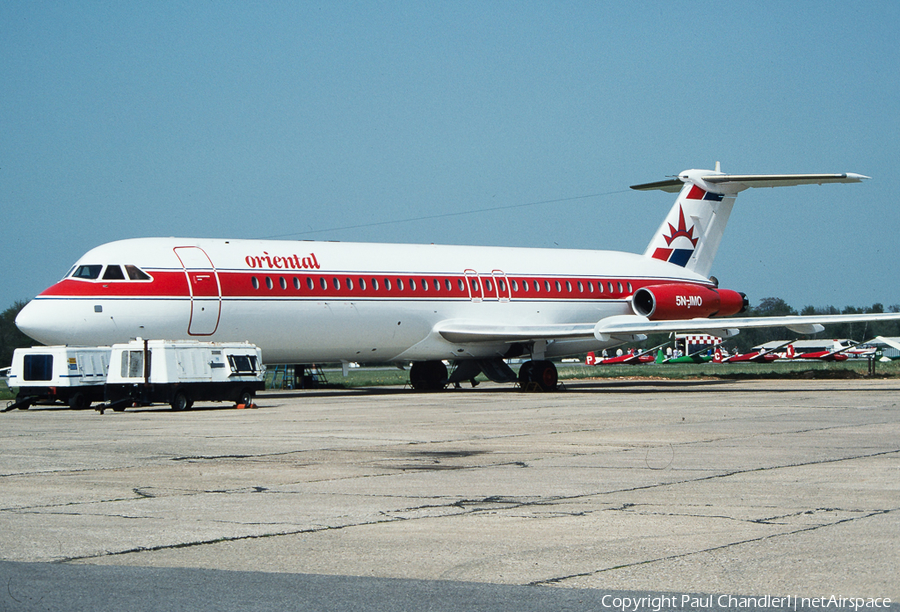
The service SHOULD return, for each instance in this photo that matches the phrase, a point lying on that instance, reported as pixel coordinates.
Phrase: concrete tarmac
(744, 489)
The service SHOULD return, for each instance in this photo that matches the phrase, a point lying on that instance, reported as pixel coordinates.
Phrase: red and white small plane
(760, 356)
(838, 353)
(631, 357)
(308, 302)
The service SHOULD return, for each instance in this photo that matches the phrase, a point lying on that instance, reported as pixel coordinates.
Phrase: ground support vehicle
(73, 375)
(180, 372)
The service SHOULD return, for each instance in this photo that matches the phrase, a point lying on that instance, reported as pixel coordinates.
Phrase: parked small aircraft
(837, 353)
(758, 356)
(631, 357)
(704, 355)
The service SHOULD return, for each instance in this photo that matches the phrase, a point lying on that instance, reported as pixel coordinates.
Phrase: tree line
(11, 338)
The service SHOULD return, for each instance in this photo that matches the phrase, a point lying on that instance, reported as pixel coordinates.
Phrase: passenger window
(620, 287)
(537, 287)
(323, 283)
(609, 286)
(488, 286)
(296, 283)
(269, 282)
(255, 282)
(447, 284)
(113, 272)
(580, 287)
(375, 284)
(400, 284)
(547, 285)
(87, 272)
(437, 285)
(349, 283)
(283, 283)
(362, 283)
(135, 273)
(412, 284)
(335, 282)
(387, 284)
(309, 283)
(629, 288)
(460, 284)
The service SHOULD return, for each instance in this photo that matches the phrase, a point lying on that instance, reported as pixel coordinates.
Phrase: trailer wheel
(79, 401)
(246, 397)
(181, 401)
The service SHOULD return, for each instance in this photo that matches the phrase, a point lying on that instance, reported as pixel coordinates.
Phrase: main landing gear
(535, 375)
(538, 375)
(428, 375)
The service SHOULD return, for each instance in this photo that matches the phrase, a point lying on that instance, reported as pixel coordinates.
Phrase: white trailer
(180, 372)
(73, 375)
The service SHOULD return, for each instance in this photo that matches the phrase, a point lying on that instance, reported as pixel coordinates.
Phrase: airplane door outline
(474, 286)
(205, 290)
(501, 284)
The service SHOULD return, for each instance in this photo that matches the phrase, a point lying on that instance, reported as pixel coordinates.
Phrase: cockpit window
(135, 273)
(90, 272)
(113, 273)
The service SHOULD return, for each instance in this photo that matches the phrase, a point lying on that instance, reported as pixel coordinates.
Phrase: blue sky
(307, 120)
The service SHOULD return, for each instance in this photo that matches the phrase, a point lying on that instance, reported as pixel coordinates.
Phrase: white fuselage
(309, 302)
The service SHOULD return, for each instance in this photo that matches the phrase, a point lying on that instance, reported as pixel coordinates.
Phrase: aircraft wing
(889, 342)
(625, 327)
(725, 327)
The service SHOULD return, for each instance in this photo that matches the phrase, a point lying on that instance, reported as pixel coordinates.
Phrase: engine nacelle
(683, 301)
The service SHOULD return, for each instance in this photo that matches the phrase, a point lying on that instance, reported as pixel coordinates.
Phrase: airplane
(308, 302)
(632, 357)
(838, 353)
(704, 355)
(757, 356)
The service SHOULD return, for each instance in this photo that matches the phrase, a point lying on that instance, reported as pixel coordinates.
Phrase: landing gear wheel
(181, 401)
(538, 376)
(428, 375)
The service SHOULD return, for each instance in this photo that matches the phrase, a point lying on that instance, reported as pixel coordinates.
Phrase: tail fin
(693, 229)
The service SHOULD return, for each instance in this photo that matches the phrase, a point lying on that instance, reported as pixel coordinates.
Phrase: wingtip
(857, 177)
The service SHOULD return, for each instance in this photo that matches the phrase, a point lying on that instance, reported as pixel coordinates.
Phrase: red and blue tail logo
(681, 241)
(684, 237)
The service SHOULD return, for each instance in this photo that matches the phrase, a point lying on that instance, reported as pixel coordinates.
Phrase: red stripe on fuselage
(275, 284)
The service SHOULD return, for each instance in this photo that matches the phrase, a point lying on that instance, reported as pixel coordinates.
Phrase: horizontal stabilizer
(732, 183)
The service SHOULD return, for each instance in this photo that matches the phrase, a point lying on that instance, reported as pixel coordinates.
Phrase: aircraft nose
(27, 320)
(35, 322)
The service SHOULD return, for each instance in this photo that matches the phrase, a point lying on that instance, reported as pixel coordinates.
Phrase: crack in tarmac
(560, 579)
(465, 507)
(477, 506)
